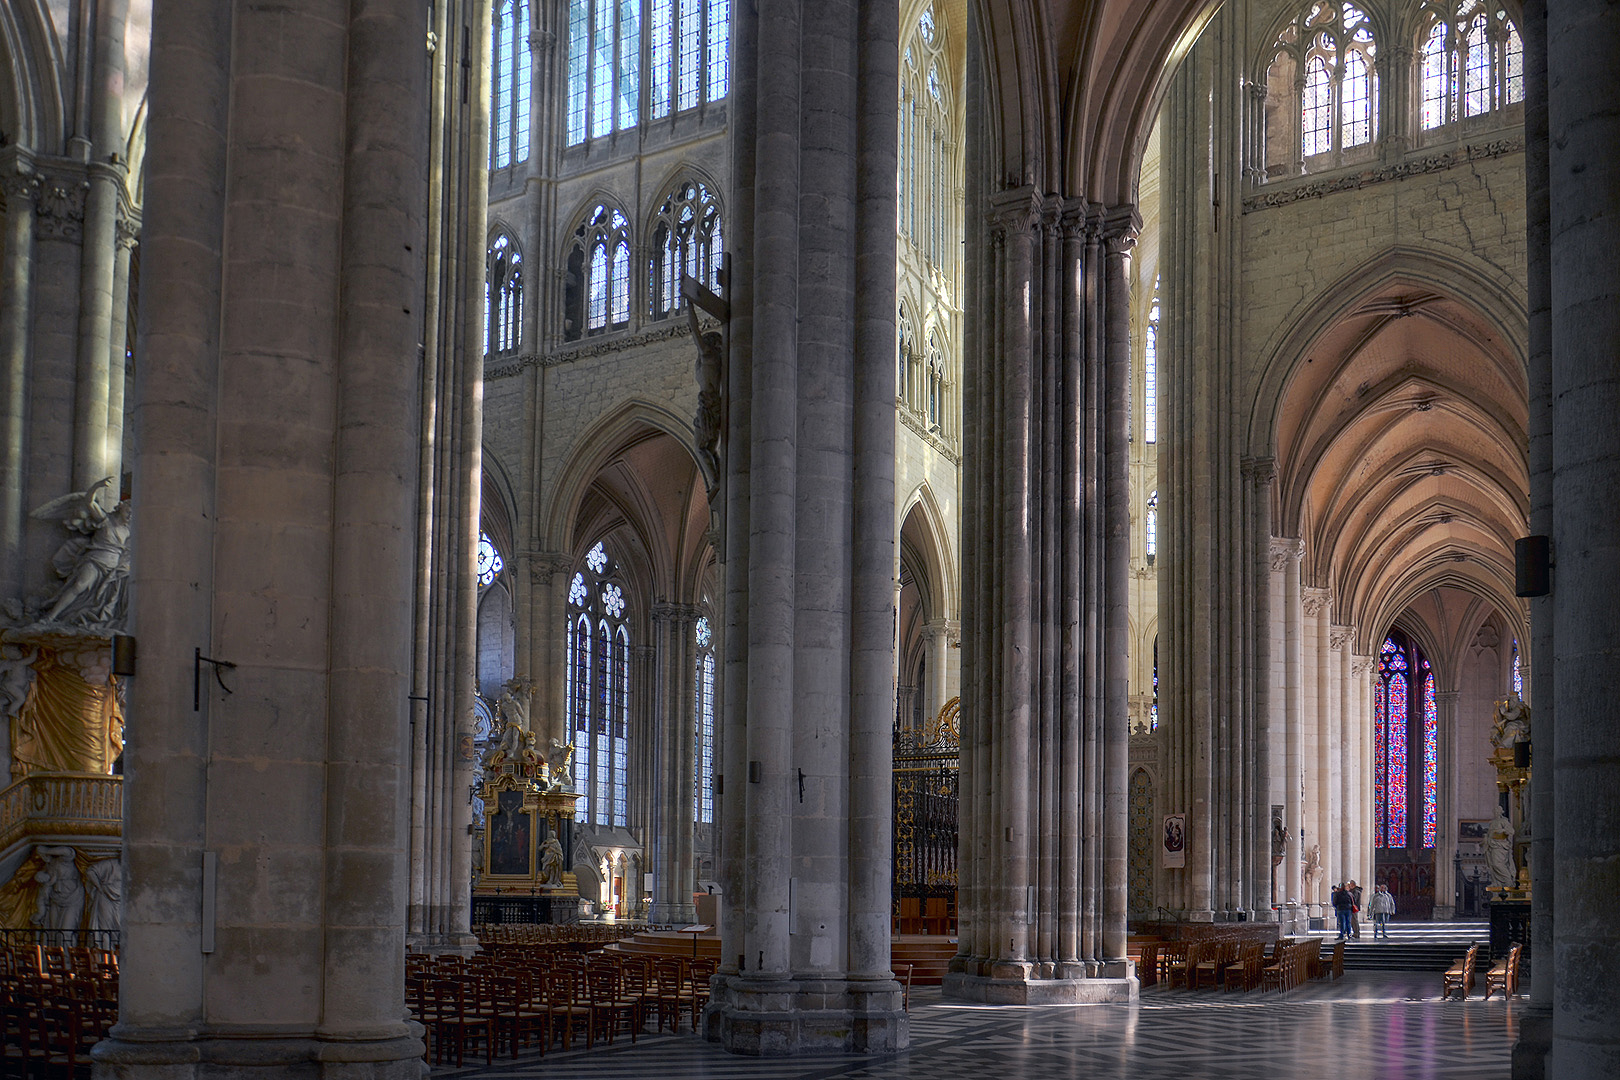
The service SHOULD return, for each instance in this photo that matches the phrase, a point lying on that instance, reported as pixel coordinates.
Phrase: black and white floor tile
(1366, 1026)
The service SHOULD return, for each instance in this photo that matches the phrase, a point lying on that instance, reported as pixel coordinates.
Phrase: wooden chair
(517, 1016)
(1504, 975)
(1459, 977)
(1244, 974)
(699, 973)
(568, 1004)
(609, 1004)
(1212, 967)
(1181, 971)
(458, 1020)
(1334, 967)
(670, 993)
(1147, 971)
(902, 972)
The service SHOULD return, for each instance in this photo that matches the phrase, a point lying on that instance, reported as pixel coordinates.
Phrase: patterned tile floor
(1367, 1026)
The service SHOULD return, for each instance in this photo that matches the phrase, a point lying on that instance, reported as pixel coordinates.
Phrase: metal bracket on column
(801, 785)
(198, 660)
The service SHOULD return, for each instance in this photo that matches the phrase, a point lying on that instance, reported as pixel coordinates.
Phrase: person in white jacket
(1382, 907)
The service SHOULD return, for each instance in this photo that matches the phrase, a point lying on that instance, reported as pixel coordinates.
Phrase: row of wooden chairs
(505, 1001)
(55, 1003)
(596, 934)
(1156, 957)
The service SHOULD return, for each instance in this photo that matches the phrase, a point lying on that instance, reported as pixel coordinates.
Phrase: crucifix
(709, 425)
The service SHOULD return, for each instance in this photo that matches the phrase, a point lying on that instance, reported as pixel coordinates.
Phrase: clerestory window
(596, 282)
(1470, 62)
(1321, 90)
(636, 60)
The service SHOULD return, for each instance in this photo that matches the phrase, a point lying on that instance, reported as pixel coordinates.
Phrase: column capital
(129, 230)
(664, 611)
(1341, 636)
(1015, 210)
(1360, 665)
(1316, 600)
(1261, 470)
(59, 207)
(1280, 549)
(544, 564)
(1121, 225)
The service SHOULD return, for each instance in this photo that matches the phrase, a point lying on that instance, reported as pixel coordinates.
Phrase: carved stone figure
(1312, 870)
(93, 565)
(61, 891)
(1499, 851)
(16, 675)
(706, 424)
(1512, 723)
(551, 861)
(105, 881)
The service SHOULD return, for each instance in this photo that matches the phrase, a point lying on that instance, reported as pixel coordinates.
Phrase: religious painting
(1472, 830)
(511, 837)
(1175, 841)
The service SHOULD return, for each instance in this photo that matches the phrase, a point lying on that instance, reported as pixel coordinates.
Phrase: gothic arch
(942, 569)
(672, 178)
(31, 107)
(1470, 282)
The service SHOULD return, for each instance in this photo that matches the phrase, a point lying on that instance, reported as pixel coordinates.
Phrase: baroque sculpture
(1512, 723)
(1499, 852)
(706, 424)
(92, 563)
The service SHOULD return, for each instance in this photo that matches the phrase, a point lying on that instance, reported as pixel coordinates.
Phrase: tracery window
(1470, 62)
(509, 109)
(904, 346)
(703, 710)
(1405, 747)
(596, 287)
(926, 189)
(684, 44)
(1150, 371)
(1150, 528)
(490, 563)
(687, 239)
(1321, 88)
(598, 689)
(503, 295)
(1518, 674)
(935, 375)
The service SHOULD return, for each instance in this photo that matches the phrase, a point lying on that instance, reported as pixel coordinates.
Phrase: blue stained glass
(602, 71)
(1431, 756)
(661, 32)
(1518, 674)
(1381, 767)
(629, 62)
(691, 51)
(579, 47)
(719, 81)
(1397, 760)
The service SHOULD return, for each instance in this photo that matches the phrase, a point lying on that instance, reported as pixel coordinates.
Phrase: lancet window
(1470, 62)
(596, 289)
(598, 689)
(1518, 673)
(1405, 747)
(509, 109)
(503, 295)
(1150, 371)
(682, 46)
(934, 398)
(926, 167)
(1321, 89)
(1150, 528)
(703, 711)
(687, 239)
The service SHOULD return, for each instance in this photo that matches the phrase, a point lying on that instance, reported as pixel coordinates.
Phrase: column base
(783, 1017)
(1025, 983)
(1531, 1052)
(130, 1056)
(442, 944)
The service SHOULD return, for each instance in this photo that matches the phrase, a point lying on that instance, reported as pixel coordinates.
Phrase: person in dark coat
(1341, 909)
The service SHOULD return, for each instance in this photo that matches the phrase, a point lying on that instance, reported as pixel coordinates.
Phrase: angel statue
(1512, 723)
(93, 564)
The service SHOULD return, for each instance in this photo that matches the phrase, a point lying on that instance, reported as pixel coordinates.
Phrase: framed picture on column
(1175, 841)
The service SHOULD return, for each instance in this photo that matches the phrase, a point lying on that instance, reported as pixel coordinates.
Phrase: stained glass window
(686, 239)
(703, 710)
(687, 53)
(503, 295)
(1431, 755)
(924, 167)
(509, 112)
(596, 283)
(490, 563)
(598, 690)
(1406, 742)
(1150, 371)
(1470, 63)
(1153, 712)
(1325, 61)
(1150, 528)
(1518, 674)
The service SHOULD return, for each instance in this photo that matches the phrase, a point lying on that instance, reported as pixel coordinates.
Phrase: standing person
(1341, 909)
(1383, 906)
(1355, 909)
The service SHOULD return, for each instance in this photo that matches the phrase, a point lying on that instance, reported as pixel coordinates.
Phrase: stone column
(15, 308)
(1045, 721)
(1530, 1053)
(277, 441)
(1583, 107)
(810, 553)
(671, 828)
(1445, 811)
(1361, 670)
(1318, 748)
(117, 346)
(1294, 696)
(1264, 695)
(1341, 742)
